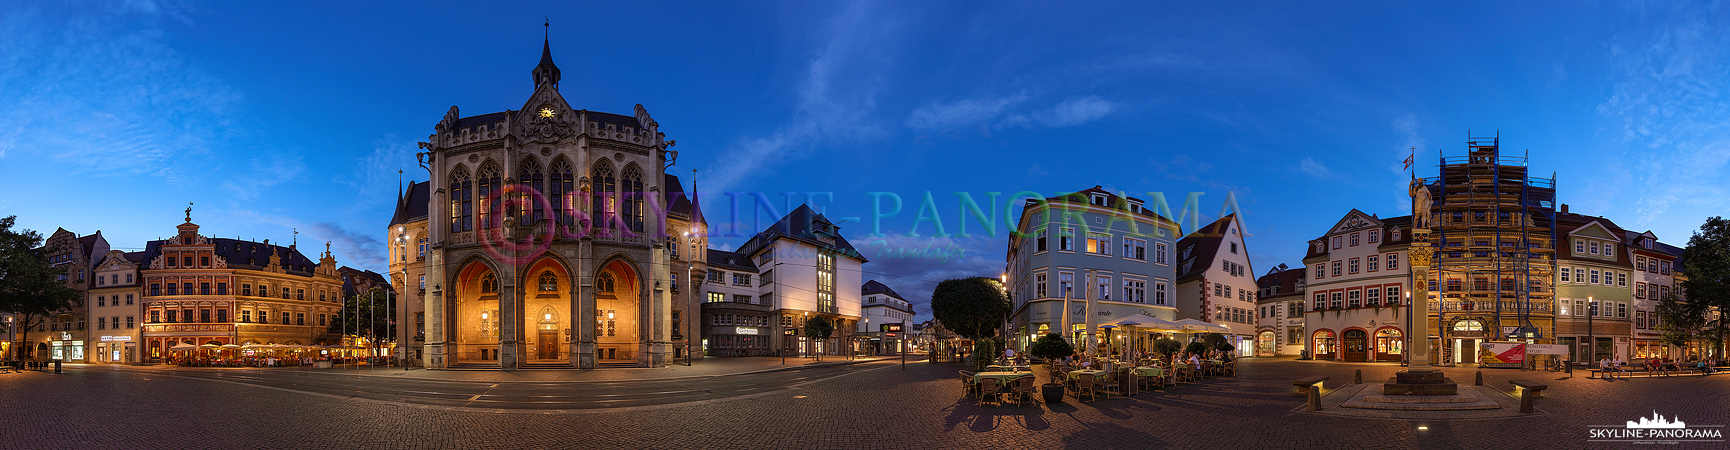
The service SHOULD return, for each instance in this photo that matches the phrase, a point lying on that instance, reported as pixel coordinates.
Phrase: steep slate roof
(248, 255)
(137, 258)
(873, 287)
(1285, 279)
(412, 205)
(798, 226)
(723, 259)
(1195, 252)
(1675, 266)
(1112, 200)
(89, 242)
(486, 121)
(678, 201)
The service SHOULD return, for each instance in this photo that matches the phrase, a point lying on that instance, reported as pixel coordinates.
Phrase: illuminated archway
(474, 315)
(617, 311)
(546, 322)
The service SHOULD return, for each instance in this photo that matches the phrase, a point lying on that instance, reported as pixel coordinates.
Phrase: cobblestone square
(871, 405)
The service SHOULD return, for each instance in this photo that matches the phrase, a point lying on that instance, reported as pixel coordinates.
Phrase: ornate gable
(545, 118)
(1354, 221)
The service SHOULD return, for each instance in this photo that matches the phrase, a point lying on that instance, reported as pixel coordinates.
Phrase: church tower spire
(546, 72)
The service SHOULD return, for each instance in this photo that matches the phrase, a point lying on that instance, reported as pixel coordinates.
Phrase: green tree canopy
(818, 328)
(28, 286)
(1706, 263)
(971, 307)
(1051, 346)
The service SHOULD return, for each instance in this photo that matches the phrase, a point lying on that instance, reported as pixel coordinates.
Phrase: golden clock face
(547, 112)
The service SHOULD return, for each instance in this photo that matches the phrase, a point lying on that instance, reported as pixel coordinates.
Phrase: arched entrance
(1468, 334)
(546, 303)
(475, 315)
(617, 303)
(1324, 345)
(1390, 344)
(1264, 344)
(1357, 344)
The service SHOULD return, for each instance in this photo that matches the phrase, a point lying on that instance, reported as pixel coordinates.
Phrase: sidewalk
(705, 367)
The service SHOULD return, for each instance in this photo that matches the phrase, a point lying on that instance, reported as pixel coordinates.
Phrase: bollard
(56, 366)
(1480, 380)
(1315, 399)
(1570, 366)
(1525, 401)
(1359, 378)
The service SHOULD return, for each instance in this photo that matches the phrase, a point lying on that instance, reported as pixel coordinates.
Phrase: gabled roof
(1286, 280)
(1112, 200)
(803, 225)
(678, 201)
(722, 259)
(873, 287)
(412, 205)
(1569, 223)
(1195, 252)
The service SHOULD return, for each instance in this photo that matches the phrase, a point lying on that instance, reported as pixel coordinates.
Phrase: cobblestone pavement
(869, 406)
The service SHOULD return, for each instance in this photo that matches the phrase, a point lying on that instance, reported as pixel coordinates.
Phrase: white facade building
(1215, 282)
(1357, 284)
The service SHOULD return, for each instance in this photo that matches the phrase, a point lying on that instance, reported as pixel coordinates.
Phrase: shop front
(66, 348)
(112, 349)
(737, 340)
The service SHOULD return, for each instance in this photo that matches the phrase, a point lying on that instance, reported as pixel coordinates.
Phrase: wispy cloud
(1006, 112)
(264, 173)
(1316, 169)
(103, 92)
(1669, 97)
(836, 94)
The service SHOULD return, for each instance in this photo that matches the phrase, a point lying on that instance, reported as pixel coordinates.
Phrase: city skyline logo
(1656, 429)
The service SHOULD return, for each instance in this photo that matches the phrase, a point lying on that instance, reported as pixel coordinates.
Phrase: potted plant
(1196, 347)
(1167, 347)
(1050, 347)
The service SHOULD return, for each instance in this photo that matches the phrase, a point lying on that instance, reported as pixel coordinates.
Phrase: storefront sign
(116, 338)
(744, 330)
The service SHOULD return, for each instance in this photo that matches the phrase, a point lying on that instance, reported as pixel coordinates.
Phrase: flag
(1409, 162)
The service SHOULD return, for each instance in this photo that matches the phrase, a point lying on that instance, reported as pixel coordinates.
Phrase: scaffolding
(1495, 229)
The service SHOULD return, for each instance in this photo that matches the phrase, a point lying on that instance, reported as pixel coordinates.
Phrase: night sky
(273, 116)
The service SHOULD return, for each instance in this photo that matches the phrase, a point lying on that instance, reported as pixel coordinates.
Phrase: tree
(818, 328)
(1167, 346)
(1707, 267)
(971, 307)
(29, 289)
(367, 315)
(1679, 321)
(1050, 347)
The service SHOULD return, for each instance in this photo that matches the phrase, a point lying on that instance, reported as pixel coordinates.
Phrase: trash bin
(56, 366)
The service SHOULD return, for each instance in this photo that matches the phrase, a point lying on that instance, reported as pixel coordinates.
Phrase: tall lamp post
(1591, 341)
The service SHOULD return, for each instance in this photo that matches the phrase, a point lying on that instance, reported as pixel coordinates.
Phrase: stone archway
(618, 303)
(474, 314)
(546, 317)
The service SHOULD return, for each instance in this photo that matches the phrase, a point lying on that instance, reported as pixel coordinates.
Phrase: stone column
(510, 317)
(1418, 323)
(659, 303)
(583, 314)
(436, 356)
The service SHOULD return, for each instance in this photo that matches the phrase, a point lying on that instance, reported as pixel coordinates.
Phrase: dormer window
(1098, 199)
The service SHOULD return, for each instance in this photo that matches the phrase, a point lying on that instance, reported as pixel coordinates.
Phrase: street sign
(890, 328)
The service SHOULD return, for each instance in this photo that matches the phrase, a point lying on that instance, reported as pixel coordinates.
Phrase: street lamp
(1591, 341)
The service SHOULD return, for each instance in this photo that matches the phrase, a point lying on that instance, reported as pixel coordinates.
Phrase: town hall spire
(546, 72)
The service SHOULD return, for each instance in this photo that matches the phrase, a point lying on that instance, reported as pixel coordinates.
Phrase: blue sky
(274, 117)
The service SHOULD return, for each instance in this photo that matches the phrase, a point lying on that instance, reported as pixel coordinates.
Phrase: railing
(1507, 306)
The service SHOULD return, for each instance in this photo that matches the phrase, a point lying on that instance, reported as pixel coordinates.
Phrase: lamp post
(1591, 341)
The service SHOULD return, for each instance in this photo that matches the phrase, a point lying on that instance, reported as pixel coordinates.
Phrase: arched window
(489, 284)
(530, 174)
(1324, 342)
(633, 198)
(462, 201)
(559, 183)
(601, 181)
(549, 283)
(604, 283)
(1388, 341)
(487, 180)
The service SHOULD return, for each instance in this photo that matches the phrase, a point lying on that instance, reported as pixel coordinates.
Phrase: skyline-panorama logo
(1656, 430)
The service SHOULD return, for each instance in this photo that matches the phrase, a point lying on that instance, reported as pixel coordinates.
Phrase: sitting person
(1604, 367)
(1704, 368)
(1195, 360)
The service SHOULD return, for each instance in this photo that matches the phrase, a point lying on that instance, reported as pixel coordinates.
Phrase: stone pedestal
(1420, 382)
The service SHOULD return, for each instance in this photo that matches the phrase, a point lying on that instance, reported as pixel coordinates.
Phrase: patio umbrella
(183, 346)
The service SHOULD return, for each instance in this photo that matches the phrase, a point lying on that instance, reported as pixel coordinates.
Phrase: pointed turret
(546, 71)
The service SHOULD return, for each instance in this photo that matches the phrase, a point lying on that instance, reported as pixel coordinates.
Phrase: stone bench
(1528, 391)
(1303, 384)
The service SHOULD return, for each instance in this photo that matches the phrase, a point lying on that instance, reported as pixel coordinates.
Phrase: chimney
(1564, 208)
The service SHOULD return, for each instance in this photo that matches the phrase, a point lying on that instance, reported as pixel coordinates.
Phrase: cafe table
(1073, 374)
(1008, 368)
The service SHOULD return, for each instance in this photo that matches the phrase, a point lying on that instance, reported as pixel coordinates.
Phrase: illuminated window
(549, 282)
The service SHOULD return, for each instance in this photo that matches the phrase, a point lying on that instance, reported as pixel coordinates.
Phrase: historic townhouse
(116, 305)
(1358, 289)
(736, 314)
(886, 318)
(1654, 277)
(1493, 231)
(549, 236)
(1594, 295)
(212, 292)
(1279, 323)
(1063, 245)
(1215, 282)
(805, 269)
(63, 334)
